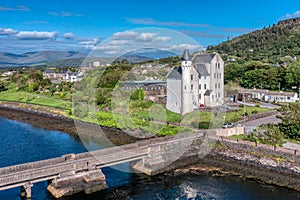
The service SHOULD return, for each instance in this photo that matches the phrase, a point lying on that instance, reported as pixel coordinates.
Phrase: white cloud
(94, 41)
(146, 37)
(125, 35)
(69, 36)
(181, 47)
(163, 39)
(18, 8)
(65, 14)
(7, 31)
(36, 35)
(151, 21)
(293, 15)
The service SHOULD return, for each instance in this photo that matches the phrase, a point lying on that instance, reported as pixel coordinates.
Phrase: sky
(85, 26)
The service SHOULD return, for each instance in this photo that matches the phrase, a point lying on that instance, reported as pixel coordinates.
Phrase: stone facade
(199, 81)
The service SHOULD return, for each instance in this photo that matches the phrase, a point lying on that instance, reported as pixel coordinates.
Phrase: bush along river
(21, 142)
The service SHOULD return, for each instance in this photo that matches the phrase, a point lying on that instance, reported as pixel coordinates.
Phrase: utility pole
(244, 107)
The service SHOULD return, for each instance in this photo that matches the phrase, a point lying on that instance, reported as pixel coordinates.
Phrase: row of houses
(63, 75)
(263, 95)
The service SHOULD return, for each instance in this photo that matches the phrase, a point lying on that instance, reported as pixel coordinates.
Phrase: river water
(21, 142)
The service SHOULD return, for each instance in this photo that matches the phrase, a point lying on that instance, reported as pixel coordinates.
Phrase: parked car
(202, 105)
(227, 125)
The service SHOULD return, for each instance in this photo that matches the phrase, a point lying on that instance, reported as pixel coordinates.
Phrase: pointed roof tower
(186, 56)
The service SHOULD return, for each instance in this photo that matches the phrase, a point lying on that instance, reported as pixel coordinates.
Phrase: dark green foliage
(270, 42)
(292, 75)
(290, 116)
(267, 134)
(108, 80)
(138, 94)
(3, 85)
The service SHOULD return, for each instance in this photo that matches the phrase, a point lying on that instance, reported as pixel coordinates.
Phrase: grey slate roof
(49, 71)
(176, 73)
(208, 92)
(202, 70)
(203, 58)
(186, 55)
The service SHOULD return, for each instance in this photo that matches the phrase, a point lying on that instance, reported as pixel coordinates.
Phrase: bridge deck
(18, 175)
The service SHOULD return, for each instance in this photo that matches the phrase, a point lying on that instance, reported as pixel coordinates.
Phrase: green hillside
(281, 39)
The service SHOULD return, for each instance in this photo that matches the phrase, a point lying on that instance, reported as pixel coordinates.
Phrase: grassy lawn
(32, 98)
(134, 123)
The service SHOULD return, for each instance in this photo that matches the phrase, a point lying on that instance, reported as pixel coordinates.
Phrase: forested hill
(282, 39)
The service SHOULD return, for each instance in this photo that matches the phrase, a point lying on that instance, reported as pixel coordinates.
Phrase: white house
(198, 81)
(266, 95)
(286, 97)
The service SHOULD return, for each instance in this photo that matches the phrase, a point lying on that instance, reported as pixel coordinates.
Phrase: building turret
(186, 83)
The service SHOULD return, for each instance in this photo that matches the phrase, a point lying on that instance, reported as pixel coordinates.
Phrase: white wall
(174, 95)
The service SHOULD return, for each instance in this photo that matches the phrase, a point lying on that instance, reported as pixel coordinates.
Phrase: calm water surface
(21, 142)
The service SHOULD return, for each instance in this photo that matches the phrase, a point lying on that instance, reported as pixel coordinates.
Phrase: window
(288, 98)
(217, 75)
(219, 95)
(216, 85)
(204, 77)
(219, 85)
(185, 87)
(218, 65)
(214, 75)
(199, 96)
(192, 87)
(192, 77)
(220, 75)
(199, 86)
(212, 97)
(204, 86)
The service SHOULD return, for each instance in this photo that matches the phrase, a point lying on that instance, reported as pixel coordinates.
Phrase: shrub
(254, 111)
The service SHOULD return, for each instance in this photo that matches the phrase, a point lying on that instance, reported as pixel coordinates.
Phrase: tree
(2, 86)
(293, 75)
(290, 116)
(269, 134)
(138, 94)
(33, 86)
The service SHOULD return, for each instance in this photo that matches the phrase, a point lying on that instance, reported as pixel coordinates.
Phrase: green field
(37, 99)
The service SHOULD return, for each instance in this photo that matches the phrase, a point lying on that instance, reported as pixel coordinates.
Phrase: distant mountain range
(72, 58)
(37, 58)
(279, 40)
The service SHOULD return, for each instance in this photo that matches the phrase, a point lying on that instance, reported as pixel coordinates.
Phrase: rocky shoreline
(52, 121)
(225, 159)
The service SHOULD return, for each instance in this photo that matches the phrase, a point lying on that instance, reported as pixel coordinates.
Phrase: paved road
(250, 125)
(290, 145)
(262, 104)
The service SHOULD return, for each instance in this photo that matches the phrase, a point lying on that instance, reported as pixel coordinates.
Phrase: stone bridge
(73, 173)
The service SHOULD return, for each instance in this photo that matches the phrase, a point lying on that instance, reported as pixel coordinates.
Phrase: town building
(199, 81)
(266, 95)
(155, 90)
(57, 77)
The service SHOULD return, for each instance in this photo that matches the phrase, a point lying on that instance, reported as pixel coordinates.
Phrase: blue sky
(32, 25)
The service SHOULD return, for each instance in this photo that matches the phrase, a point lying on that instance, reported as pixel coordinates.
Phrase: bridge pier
(26, 190)
(69, 184)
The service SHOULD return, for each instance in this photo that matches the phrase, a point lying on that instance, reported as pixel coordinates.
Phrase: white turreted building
(199, 81)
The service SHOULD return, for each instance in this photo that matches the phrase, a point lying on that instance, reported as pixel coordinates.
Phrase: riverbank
(54, 121)
(225, 159)
(232, 159)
